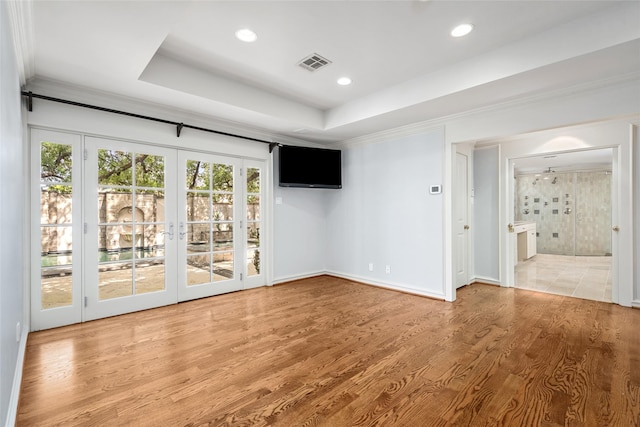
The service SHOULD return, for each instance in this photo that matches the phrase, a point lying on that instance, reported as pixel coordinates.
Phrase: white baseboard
(388, 285)
(635, 303)
(285, 279)
(12, 411)
(365, 280)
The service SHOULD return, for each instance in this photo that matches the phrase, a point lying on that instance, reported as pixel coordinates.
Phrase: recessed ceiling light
(344, 81)
(461, 30)
(246, 35)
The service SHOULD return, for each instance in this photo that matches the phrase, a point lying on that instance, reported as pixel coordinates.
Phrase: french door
(129, 235)
(123, 227)
(219, 225)
(56, 229)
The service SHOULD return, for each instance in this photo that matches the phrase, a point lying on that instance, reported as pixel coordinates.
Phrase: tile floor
(587, 277)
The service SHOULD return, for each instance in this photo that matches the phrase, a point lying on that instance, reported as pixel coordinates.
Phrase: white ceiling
(404, 65)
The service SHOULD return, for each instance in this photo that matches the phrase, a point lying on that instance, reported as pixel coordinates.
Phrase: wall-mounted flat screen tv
(310, 167)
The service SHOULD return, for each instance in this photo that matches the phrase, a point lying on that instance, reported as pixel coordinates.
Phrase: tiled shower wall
(572, 211)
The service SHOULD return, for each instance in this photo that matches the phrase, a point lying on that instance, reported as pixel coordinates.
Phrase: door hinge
(241, 277)
(240, 223)
(86, 301)
(86, 227)
(86, 154)
(240, 171)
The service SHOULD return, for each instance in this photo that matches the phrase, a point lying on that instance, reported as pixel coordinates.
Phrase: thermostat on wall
(435, 189)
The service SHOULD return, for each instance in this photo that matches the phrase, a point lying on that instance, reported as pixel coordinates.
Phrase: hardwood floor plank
(329, 352)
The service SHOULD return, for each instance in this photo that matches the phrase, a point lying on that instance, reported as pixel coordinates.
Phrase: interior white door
(130, 232)
(461, 220)
(56, 224)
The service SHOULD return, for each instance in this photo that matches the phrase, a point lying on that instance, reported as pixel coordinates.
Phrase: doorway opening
(563, 207)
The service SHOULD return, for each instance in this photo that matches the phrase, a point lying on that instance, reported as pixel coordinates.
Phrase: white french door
(130, 215)
(121, 227)
(56, 229)
(219, 225)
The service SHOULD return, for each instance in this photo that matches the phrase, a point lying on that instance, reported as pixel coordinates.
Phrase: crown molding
(21, 23)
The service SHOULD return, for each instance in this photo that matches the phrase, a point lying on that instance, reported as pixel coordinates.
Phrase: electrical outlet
(370, 266)
(387, 269)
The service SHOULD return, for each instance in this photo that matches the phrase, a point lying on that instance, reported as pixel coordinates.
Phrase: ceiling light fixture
(344, 81)
(246, 35)
(461, 30)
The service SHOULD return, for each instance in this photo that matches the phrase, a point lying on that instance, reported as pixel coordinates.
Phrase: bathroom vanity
(526, 236)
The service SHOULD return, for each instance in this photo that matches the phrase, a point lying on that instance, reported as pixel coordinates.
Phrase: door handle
(510, 228)
(615, 228)
(170, 232)
(466, 227)
(181, 231)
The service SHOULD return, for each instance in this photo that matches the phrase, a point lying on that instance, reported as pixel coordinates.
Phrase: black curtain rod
(179, 126)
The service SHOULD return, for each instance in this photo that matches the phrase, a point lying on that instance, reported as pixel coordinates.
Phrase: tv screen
(310, 167)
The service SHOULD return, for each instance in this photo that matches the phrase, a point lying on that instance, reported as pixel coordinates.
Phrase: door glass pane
(253, 262)
(113, 204)
(197, 175)
(198, 238)
(55, 205)
(223, 207)
(56, 266)
(149, 275)
(223, 237)
(56, 241)
(198, 269)
(253, 208)
(154, 240)
(149, 171)
(149, 206)
(222, 266)
(253, 237)
(115, 167)
(115, 280)
(55, 163)
(198, 206)
(222, 177)
(253, 180)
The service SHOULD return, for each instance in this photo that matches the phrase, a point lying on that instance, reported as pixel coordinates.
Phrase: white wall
(384, 214)
(300, 238)
(486, 206)
(11, 219)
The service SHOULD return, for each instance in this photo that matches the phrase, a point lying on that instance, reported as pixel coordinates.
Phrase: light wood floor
(329, 352)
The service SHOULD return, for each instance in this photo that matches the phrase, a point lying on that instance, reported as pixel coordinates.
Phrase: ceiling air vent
(314, 62)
